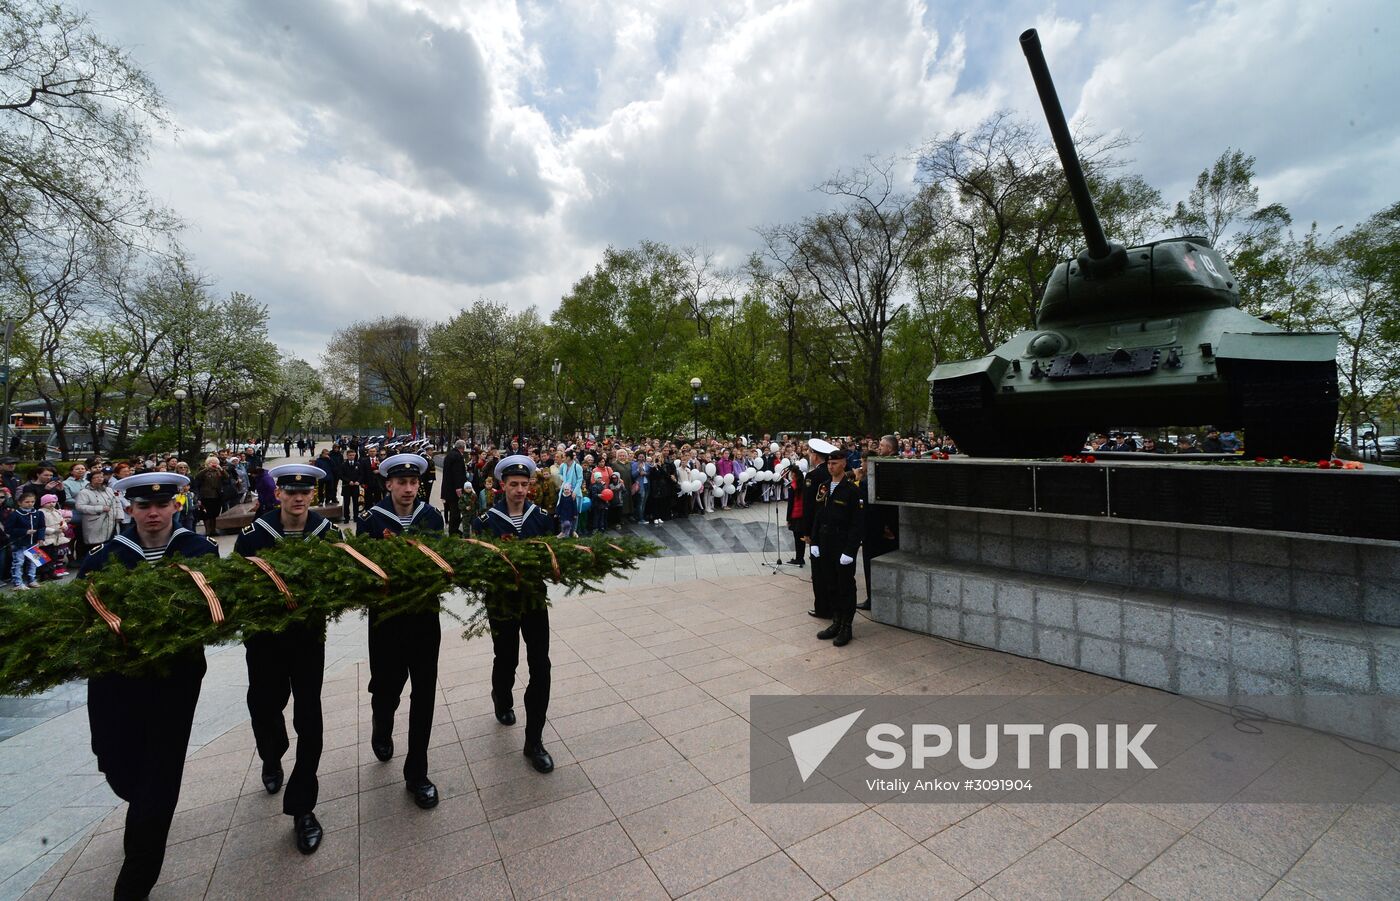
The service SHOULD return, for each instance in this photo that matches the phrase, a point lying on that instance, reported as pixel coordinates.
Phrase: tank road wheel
(1285, 409)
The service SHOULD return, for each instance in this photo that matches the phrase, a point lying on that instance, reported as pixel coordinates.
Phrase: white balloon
(709, 469)
(745, 476)
(719, 492)
(729, 489)
(729, 478)
(783, 465)
(802, 465)
(773, 448)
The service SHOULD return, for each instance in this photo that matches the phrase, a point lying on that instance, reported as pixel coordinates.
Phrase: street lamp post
(519, 384)
(471, 417)
(442, 424)
(557, 368)
(235, 406)
(695, 403)
(418, 424)
(262, 425)
(180, 395)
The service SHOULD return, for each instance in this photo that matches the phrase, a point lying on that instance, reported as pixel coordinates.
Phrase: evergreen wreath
(137, 622)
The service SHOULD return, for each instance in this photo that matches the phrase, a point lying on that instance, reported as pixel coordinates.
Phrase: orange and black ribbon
(113, 621)
(216, 610)
(271, 573)
(502, 554)
(364, 561)
(433, 556)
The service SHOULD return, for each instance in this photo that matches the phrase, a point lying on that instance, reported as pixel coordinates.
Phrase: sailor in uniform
(290, 663)
(514, 517)
(818, 451)
(404, 646)
(141, 724)
(837, 530)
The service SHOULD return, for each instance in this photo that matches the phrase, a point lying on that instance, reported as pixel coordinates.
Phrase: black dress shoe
(829, 632)
(843, 637)
(539, 757)
(272, 777)
(794, 562)
(308, 832)
(382, 741)
(425, 794)
(819, 615)
(864, 605)
(505, 715)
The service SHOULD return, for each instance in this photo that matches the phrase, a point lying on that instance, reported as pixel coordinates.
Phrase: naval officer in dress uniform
(837, 529)
(290, 663)
(817, 477)
(141, 724)
(522, 612)
(405, 646)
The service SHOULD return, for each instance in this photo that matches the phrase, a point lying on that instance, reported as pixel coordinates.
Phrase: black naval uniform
(454, 478)
(404, 647)
(282, 664)
(533, 624)
(141, 727)
(816, 480)
(837, 528)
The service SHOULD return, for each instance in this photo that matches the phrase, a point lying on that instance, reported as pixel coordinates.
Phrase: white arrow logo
(810, 746)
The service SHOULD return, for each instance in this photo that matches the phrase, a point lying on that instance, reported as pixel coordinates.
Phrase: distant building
(385, 344)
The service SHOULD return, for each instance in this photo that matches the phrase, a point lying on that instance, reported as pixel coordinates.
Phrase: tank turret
(1137, 336)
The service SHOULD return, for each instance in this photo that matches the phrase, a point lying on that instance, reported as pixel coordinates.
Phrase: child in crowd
(597, 507)
(24, 529)
(56, 536)
(567, 511)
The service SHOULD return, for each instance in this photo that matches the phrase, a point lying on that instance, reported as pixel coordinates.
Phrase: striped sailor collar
(392, 514)
(136, 545)
(277, 533)
(500, 510)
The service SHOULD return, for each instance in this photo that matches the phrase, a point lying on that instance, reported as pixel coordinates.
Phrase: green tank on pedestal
(1141, 336)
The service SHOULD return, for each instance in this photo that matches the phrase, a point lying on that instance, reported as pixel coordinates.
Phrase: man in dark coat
(818, 451)
(838, 525)
(141, 724)
(352, 475)
(454, 482)
(404, 646)
(523, 612)
(290, 663)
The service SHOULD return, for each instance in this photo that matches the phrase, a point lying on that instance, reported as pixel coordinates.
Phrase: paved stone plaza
(648, 729)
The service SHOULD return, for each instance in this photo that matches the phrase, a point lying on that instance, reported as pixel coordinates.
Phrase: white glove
(816, 552)
(847, 560)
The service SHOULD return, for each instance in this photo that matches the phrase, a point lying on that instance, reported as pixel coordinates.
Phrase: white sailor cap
(403, 465)
(296, 475)
(822, 447)
(515, 465)
(148, 486)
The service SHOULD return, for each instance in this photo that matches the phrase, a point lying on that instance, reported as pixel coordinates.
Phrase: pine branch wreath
(135, 622)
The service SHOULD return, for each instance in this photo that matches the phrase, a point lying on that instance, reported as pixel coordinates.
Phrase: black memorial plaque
(1004, 487)
(1305, 501)
(1073, 489)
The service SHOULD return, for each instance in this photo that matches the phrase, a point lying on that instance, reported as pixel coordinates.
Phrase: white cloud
(341, 159)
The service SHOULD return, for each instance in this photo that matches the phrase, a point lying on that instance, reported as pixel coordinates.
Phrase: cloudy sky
(341, 159)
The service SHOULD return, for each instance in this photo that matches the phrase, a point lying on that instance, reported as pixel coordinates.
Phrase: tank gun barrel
(1094, 238)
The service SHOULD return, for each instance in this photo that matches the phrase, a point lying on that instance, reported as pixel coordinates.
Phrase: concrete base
(1192, 611)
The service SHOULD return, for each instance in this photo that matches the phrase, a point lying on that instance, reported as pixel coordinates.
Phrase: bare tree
(851, 262)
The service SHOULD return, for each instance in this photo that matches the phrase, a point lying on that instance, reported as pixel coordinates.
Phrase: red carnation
(1089, 458)
(1324, 464)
